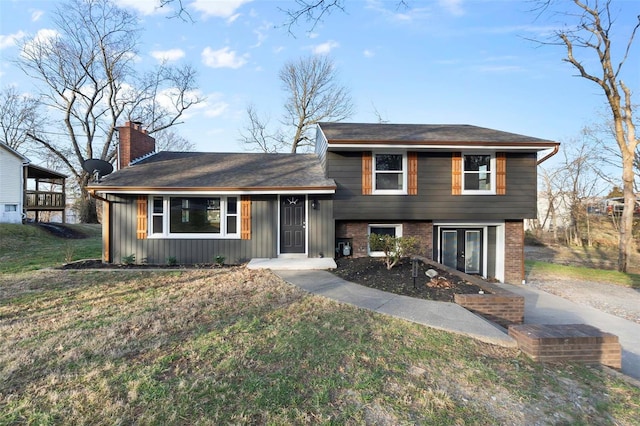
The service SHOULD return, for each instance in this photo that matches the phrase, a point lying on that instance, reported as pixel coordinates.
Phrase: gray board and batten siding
(434, 200)
(187, 251)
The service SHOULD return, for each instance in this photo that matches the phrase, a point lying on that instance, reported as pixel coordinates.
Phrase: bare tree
(86, 70)
(590, 50)
(169, 140)
(578, 182)
(313, 95)
(19, 115)
(257, 136)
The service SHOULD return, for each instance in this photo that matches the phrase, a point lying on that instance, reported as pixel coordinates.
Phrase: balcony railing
(45, 200)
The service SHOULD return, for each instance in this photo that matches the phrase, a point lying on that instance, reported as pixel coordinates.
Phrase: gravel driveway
(613, 299)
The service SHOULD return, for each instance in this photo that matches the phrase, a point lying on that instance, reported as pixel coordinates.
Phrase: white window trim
(166, 207)
(397, 226)
(492, 175)
(405, 174)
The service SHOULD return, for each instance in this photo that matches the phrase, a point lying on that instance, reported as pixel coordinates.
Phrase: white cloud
(36, 15)
(325, 48)
(43, 37)
(399, 14)
(168, 55)
(144, 7)
(223, 58)
(212, 106)
(452, 6)
(11, 39)
(261, 33)
(216, 109)
(368, 53)
(219, 8)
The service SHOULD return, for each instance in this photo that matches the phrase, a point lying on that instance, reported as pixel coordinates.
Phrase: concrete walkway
(439, 315)
(540, 308)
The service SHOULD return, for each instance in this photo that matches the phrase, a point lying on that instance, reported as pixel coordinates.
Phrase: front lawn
(235, 346)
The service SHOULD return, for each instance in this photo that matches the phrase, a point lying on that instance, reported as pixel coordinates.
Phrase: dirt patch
(61, 231)
(372, 272)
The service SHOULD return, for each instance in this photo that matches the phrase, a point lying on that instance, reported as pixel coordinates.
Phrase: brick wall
(514, 252)
(424, 232)
(568, 342)
(496, 304)
(503, 309)
(358, 233)
(134, 142)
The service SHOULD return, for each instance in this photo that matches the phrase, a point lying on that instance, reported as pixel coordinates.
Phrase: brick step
(568, 342)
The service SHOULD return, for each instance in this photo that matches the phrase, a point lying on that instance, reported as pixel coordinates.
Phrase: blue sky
(446, 61)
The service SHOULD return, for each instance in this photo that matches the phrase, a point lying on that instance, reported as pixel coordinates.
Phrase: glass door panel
(472, 251)
(450, 248)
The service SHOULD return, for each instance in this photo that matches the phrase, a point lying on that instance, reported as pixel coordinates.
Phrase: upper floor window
(389, 173)
(478, 174)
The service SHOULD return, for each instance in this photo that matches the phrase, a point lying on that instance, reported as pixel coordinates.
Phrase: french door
(461, 249)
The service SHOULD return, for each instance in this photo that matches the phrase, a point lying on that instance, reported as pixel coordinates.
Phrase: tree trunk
(87, 208)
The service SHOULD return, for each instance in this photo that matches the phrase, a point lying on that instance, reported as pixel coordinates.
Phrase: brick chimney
(135, 142)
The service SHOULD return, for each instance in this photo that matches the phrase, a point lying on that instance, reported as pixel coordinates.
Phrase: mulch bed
(97, 264)
(372, 272)
(367, 271)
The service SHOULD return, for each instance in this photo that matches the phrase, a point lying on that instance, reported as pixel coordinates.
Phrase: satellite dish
(97, 168)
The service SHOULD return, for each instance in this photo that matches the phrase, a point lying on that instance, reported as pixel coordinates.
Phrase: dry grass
(234, 346)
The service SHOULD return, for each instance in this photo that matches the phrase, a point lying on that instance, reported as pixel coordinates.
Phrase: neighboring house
(17, 198)
(12, 165)
(463, 190)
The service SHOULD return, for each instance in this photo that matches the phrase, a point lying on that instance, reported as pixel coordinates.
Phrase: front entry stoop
(568, 342)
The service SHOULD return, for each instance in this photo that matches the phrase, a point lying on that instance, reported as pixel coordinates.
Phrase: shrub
(219, 260)
(394, 248)
(129, 260)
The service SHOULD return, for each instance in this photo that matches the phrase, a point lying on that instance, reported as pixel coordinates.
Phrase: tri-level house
(463, 190)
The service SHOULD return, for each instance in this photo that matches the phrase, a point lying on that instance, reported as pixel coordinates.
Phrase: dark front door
(461, 249)
(292, 224)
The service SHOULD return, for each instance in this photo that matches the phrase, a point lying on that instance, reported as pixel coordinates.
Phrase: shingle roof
(224, 171)
(423, 133)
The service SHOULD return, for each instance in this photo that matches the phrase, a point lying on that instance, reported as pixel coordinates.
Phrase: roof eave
(212, 190)
(339, 145)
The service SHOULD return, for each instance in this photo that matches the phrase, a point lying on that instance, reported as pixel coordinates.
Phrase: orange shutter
(501, 173)
(456, 173)
(413, 173)
(245, 217)
(367, 160)
(141, 232)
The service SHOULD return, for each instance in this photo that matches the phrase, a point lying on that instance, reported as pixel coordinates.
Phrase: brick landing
(568, 342)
